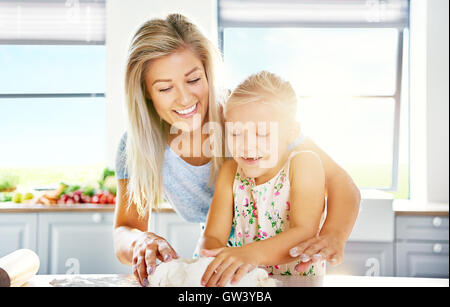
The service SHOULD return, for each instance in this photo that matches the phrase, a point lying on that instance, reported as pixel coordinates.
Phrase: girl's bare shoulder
(305, 163)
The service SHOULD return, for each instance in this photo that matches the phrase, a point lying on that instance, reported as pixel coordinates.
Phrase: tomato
(110, 199)
(103, 199)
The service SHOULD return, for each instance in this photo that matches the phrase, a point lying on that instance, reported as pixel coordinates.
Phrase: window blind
(314, 13)
(52, 21)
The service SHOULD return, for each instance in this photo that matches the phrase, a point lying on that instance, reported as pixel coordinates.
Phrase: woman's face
(178, 88)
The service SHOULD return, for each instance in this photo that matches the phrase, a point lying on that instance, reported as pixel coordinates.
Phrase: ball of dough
(188, 273)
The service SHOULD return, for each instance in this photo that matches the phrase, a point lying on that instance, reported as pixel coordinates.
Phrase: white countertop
(123, 280)
(408, 207)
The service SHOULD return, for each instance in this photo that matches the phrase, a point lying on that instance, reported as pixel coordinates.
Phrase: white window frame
(397, 96)
(60, 6)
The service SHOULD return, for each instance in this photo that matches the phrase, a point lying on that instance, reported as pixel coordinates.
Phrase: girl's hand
(324, 247)
(231, 263)
(146, 249)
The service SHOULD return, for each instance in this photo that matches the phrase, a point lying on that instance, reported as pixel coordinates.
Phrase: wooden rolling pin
(18, 267)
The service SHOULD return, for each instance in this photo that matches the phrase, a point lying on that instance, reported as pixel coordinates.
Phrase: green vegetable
(107, 173)
(4, 197)
(89, 191)
(73, 188)
(110, 184)
(108, 181)
(8, 181)
(69, 188)
(62, 188)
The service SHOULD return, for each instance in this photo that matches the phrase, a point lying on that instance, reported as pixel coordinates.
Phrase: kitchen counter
(123, 280)
(407, 207)
(10, 207)
(400, 207)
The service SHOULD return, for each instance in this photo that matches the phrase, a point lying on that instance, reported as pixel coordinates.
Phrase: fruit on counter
(17, 198)
(104, 197)
(21, 197)
(28, 196)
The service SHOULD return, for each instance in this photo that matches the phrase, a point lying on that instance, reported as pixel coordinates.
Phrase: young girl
(273, 197)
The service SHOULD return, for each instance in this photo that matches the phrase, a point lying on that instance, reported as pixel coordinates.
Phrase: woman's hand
(324, 247)
(146, 249)
(230, 263)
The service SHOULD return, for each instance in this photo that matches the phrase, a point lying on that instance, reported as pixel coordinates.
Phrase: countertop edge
(328, 281)
(409, 207)
(421, 213)
(36, 208)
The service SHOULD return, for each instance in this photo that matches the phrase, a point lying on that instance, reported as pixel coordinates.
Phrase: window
(347, 61)
(52, 85)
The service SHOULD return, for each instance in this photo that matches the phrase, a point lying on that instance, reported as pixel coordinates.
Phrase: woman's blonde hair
(147, 132)
(264, 87)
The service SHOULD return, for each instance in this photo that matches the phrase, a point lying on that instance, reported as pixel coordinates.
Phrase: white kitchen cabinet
(81, 242)
(366, 259)
(78, 243)
(181, 235)
(422, 246)
(17, 230)
(422, 260)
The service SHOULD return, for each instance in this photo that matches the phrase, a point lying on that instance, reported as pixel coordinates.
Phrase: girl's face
(258, 136)
(177, 85)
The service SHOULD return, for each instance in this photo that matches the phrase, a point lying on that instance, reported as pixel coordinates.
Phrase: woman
(172, 101)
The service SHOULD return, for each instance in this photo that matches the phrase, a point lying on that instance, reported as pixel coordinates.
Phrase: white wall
(437, 100)
(429, 101)
(418, 101)
(122, 20)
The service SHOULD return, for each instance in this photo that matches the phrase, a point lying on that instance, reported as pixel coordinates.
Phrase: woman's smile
(188, 112)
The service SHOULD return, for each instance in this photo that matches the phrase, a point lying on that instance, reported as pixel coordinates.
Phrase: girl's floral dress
(262, 211)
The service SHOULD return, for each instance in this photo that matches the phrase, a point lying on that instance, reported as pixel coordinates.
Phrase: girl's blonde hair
(264, 87)
(147, 132)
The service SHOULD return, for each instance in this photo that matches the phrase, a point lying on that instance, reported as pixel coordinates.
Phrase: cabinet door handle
(437, 221)
(437, 248)
(97, 218)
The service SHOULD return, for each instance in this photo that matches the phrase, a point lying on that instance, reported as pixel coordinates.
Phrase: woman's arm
(343, 201)
(127, 224)
(132, 243)
(307, 197)
(220, 214)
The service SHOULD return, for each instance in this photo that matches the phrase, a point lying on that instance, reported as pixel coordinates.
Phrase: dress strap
(291, 155)
(300, 139)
